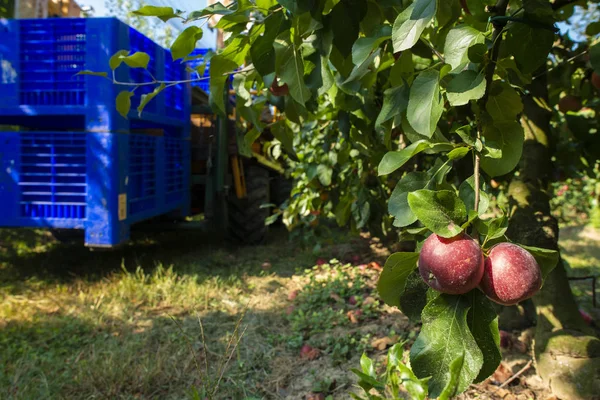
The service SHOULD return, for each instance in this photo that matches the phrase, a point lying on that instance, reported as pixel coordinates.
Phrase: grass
(160, 317)
(125, 324)
(580, 249)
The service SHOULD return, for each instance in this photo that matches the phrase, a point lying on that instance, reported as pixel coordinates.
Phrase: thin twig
(515, 376)
(154, 82)
(228, 359)
(203, 345)
(499, 10)
(562, 63)
(190, 346)
(223, 366)
(437, 53)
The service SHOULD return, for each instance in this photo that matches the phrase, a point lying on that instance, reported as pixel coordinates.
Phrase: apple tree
(398, 114)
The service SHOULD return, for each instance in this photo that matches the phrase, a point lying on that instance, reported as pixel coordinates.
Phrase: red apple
(596, 80)
(569, 103)
(587, 318)
(453, 266)
(277, 90)
(511, 274)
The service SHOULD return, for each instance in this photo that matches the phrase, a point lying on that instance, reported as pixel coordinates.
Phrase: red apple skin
(277, 90)
(596, 80)
(569, 103)
(511, 274)
(453, 266)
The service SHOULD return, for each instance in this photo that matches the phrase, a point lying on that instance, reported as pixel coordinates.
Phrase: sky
(209, 38)
(192, 5)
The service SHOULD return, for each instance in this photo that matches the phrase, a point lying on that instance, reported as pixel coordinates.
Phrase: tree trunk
(567, 354)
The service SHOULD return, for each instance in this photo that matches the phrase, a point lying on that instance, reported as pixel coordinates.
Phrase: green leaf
(466, 86)
(595, 57)
(465, 134)
(458, 42)
(393, 160)
(282, 133)
(87, 72)
(530, 46)
(411, 23)
(363, 47)
(220, 66)
(366, 364)
(251, 136)
(507, 137)
(547, 259)
(324, 172)
(395, 102)
(414, 296)
(123, 102)
(440, 211)
(392, 281)
(136, 60)
(262, 50)
(117, 59)
(164, 13)
(297, 7)
(185, 42)
(216, 8)
(504, 103)
(448, 11)
(329, 4)
(444, 337)
(403, 69)
(344, 21)
(493, 228)
(477, 52)
(290, 69)
(483, 323)
(416, 388)
(145, 98)
(343, 209)
(458, 153)
(364, 378)
(398, 203)
(265, 4)
(451, 388)
(359, 71)
(425, 106)
(466, 192)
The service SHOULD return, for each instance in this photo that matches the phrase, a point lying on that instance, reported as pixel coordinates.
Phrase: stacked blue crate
(76, 163)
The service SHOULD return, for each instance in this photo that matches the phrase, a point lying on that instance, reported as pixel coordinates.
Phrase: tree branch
(498, 10)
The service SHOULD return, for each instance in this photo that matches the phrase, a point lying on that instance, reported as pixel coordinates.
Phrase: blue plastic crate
(100, 182)
(38, 87)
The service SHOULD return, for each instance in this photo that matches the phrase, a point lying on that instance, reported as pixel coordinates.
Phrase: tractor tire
(281, 189)
(246, 218)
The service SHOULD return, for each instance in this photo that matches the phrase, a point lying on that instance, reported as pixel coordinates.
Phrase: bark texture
(567, 353)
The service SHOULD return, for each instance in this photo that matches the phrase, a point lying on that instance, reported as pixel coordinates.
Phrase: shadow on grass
(31, 258)
(63, 356)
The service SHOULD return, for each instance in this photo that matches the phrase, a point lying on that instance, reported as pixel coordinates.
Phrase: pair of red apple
(508, 275)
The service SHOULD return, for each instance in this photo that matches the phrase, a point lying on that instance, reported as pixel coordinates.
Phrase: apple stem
(476, 175)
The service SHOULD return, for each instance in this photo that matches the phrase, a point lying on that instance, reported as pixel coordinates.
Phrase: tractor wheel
(281, 189)
(246, 223)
